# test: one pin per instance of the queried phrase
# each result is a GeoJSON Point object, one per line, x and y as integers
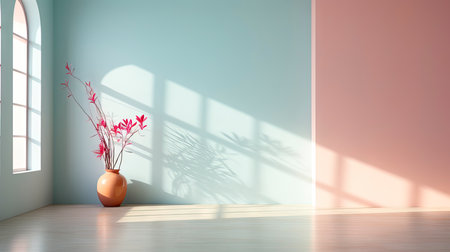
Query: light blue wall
{"type": "Point", "coordinates": [227, 85]}
{"type": "Point", "coordinates": [23, 192]}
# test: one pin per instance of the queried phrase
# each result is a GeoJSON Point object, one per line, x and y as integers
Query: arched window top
{"type": "Point", "coordinates": [20, 20]}
{"type": "Point", "coordinates": [32, 19]}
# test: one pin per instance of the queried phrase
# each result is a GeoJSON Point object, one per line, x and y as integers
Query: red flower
{"type": "Point", "coordinates": [141, 121]}
{"type": "Point", "coordinates": [127, 125]}
{"type": "Point", "coordinates": [92, 97]}
{"type": "Point", "coordinates": [116, 129]}
{"type": "Point", "coordinates": [123, 125]}
{"type": "Point", "coordinates": [131, 126]}
{"type": "Point", "coordinates": [69, 71]}
{"type": "Point", "coordinates": [88, 83]}
{"type": "Point", "coordinates": [66, 84]}
{"type": "Point", "coordinates": [100, 151]}
{"type": "Point", "coordinates": [102, 123]}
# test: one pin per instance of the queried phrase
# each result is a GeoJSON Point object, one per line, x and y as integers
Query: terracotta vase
{"type": "Point", "coordinates": [111, 188]}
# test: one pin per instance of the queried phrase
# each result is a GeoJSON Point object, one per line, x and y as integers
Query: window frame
{"type": "Point", "coordinates": [26, 74]}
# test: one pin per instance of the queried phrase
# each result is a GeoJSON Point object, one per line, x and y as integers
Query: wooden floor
{"type": "Point", "coordinates": [225, 228]}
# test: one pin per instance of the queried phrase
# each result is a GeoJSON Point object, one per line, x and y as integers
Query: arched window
{"type": "Point", "coordinates": [26, 87]}
{"type": "Point", "coordinates": [20, 88]}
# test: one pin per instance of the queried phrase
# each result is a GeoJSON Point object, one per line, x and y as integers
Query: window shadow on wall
{"type": "Point", "coordinates": [198, 150]}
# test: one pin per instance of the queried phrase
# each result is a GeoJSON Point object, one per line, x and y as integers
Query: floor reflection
{"type": "Point", "coordinates": [225, 228]}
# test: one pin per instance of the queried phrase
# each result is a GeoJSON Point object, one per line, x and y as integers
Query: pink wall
{"type": "Point", "coordinates": [382, 103]}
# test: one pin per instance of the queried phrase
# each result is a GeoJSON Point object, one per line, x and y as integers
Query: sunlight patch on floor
{"type": "Point", "coordinates": [208, 212]}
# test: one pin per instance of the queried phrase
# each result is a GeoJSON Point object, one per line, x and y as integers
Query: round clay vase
{"type": "Point", "coordinates": [111, 188]}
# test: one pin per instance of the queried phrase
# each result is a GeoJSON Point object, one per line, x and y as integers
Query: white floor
{"type": "Point", "coordinates": [225, 228]}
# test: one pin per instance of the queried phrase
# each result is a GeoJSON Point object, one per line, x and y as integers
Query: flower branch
{"type": "Point", "coordinates": [108, 133]}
